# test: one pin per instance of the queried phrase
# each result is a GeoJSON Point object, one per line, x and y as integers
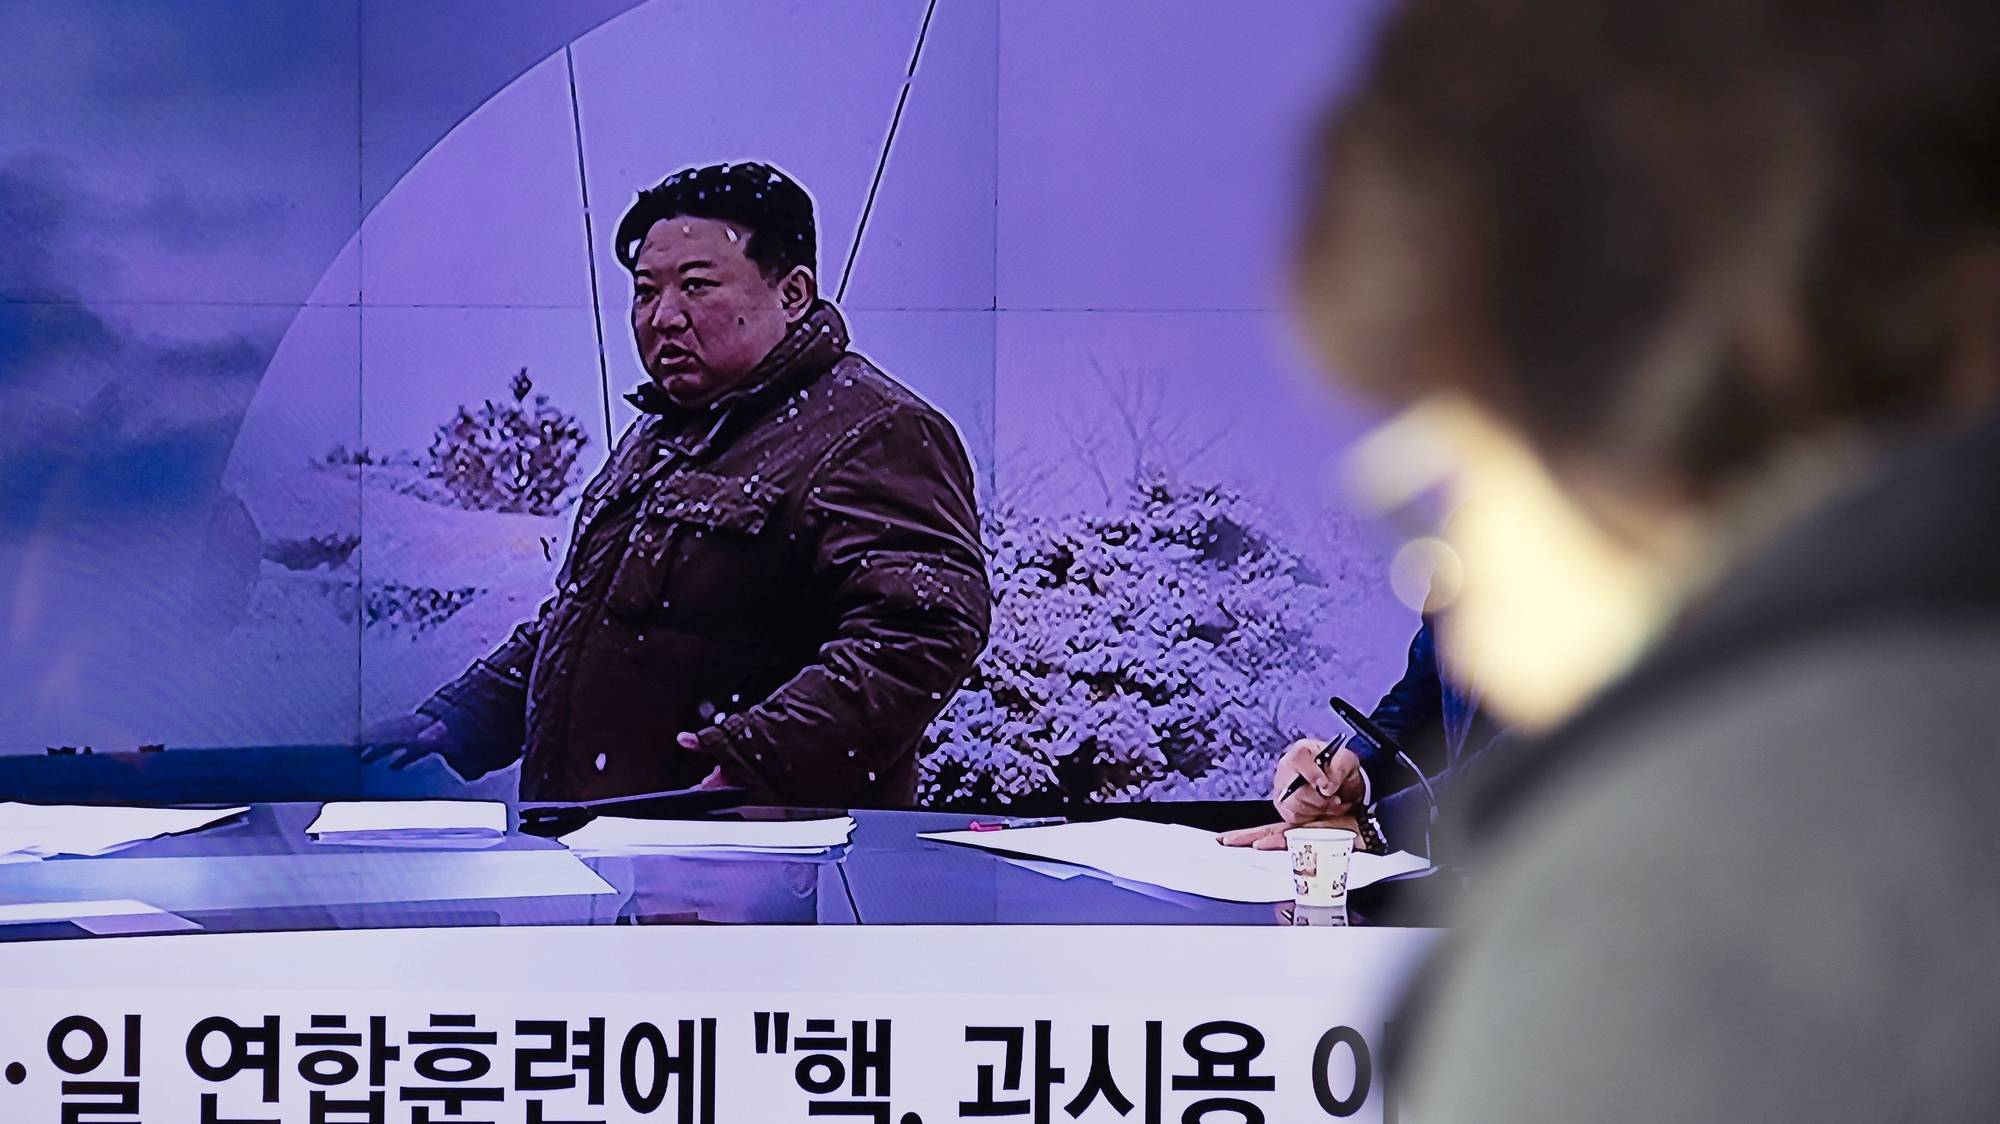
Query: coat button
{"type": "Point", "coordinates": [600, 762]}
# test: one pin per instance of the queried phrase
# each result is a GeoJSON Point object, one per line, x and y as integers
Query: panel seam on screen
{"type": "Point", "coordinates": [589, 245]}
{"type": "Point", "coordinates": [882, 162]}
{"type": "Point", "coordinates": [360, 366]}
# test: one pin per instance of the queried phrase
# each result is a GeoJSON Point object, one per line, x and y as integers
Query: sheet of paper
{"type": "Point", "coordinates": [31, 912]}
{"type": "Point", "coordinates": [1366, 870]}
{"type": "Point", "coordinates": [619, 835]}
{"type": "Point", "coordinates": [113, 917]}
{"type": "Point", "coordinates": [738, 849]}
{"type": "Point", "coordinates": [134, 924]}
{"type": "Point", "coordinates": [322, 877]}
{"type": "Point", "coordinates": [1061, 872]}
{"type": "Point", "coordinates": [413, 841]}
{"type": "Point", "coordinates": [1072, 873]}
{"type": "Point", "coordinates": [42, 830]}
{"type": "Point", "coordinates": [410, 817]}
{"type": "Point", "coordinates": [1185, 859]}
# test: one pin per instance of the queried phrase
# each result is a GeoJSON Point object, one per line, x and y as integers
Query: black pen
{"type": "Point", "coordinates": [1004, 825]}
{"type": "Point", "coordinates": [1323, 758]}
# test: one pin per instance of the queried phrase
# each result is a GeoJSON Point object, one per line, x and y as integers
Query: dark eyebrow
{"type": "Point", "coordinates": [698, 263]}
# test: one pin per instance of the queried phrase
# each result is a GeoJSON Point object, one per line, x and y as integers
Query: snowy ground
{"type": "Point", "coordinates": [308, 663]}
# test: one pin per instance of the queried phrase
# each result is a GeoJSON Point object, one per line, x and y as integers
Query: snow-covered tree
{"type": "Point", "coordinates": [517, 456]}
{"type": "Point", "coordinates": [1132, 648]}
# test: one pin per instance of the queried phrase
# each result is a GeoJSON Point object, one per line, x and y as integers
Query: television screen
{"type": "Point", "coordinates": [320, 333]}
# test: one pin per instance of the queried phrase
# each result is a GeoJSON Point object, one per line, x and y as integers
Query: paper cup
{"type": "Point", "coordinates": [1319, 864]}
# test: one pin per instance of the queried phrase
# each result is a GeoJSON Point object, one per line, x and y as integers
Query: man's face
{"type": "Point", "coordinates": [702, 314]}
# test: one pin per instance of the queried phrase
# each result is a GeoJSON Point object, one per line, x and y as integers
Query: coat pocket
{"type": "Point", "coordinates": [698, 533]}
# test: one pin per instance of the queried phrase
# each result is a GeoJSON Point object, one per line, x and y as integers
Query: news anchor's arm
{"type": "Point", "coordinates": [1412, 713]}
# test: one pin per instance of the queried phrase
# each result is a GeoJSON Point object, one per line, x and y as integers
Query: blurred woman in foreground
{"type": "Point", "coordinates": [1694, 307]}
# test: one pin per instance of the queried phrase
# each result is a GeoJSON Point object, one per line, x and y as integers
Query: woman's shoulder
{"type": "Point", "coordinates": [1780, 874]}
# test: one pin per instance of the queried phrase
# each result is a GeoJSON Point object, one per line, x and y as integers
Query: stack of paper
{"type": "Point", "coordinates": [1185, 859]}
{"type": "Point", "coordinates": [613, 835]}
{"type": "Point", "coordinates": [33, 831]}
{"type": "Point", "coordinates": [411, 822]}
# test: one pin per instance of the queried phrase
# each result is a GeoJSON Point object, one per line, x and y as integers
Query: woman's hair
{"type": "Point", "coordinates": [1661, 238]}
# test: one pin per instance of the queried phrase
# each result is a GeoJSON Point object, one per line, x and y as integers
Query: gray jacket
{"type": "Point", "coordinates": [1756, 880]}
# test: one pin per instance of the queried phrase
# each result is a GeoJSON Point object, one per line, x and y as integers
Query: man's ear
{"type": "Point", "coordinates": [797, 291]}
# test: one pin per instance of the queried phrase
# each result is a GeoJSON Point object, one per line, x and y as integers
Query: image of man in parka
{"type": "Point", "coordinates": [776, 581]}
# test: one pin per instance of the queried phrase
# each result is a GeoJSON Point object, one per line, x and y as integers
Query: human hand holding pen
{"type": "Point", "coordinates": [1315, 780]}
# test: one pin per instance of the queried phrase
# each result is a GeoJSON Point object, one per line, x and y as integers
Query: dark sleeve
{"type": "Point", "coordinates": [900, 567]}
{"type": "Point", "coordinates": [1413, 714]}
{"type": "Point", "coordinates": [485, 709]}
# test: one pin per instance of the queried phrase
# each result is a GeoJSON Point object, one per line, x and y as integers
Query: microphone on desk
{"type": "Point", "coordinates": [1368, 728]}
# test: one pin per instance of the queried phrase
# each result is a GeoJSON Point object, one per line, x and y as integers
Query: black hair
{"type": "Point", "coordinates": [771, 205]}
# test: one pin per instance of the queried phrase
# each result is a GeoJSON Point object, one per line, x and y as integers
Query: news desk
{"type": "Point", "coordinates": [261, 872]}
{"type": "Point", "coordinates": [978, 965]}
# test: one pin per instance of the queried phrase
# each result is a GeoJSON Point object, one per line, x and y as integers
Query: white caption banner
{"type": "Point", "coordinates": [914, 1025]}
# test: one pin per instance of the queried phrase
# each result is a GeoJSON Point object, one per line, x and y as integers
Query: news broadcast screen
{"type": "Point", "coordinates": [749, 561]}
{"type": "Point", "coordinates": [324, 349]}
{"type": "Point", "coordinates": [686, 560]}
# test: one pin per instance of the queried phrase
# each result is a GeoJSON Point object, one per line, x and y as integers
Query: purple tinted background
{"type": "Point", "coordinates": [243, 237]}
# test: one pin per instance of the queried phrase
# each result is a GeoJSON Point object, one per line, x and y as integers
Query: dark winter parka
{"type": "Point", "coordinates": [792, 573]}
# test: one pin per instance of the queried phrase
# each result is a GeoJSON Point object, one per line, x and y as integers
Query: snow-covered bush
{"type": "Point", "coordinates": [394, 605]}
{"type": "Point", "coordinates": [341, 457]}
{"type": "Point", "coordinates": [1131, 648]}
{"type": "Point", "coordinates": [517, 456]}
{"type": "Point", "coordinates": [313, 552]}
